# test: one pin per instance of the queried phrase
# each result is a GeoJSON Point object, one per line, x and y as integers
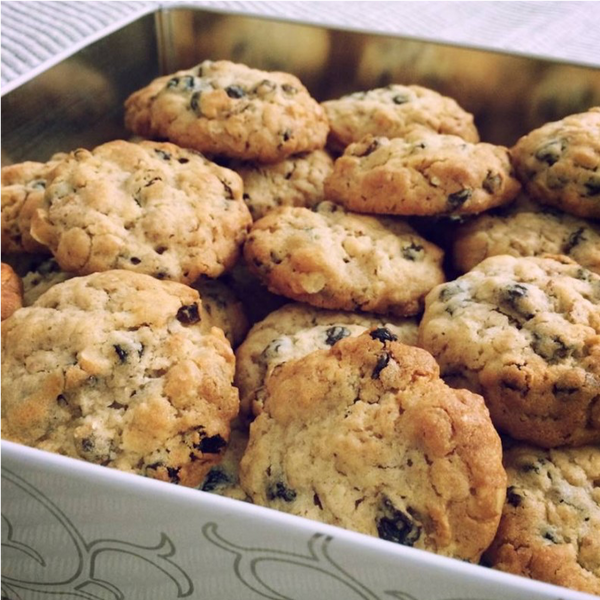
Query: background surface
{"type": "Point", "coordinates": [36, 33]}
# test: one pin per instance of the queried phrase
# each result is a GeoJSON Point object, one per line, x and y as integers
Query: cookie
{"type": "Point", "coordinates": [559, 164]}
{"type": "Point", "coordinates": [394, 111]}
{"type": "Point", "coordinates": [23, 187]}
{"type": "Point", "coordinates": [12, 291]}
{"type": "Point", "coordinates": [150, 207]}
{"type": "Point", "coordinates": [120, 369]}
{"type": "Point", "coordinates": [525, 334]}
{"type": "Point", "coordinates": [422, 174]}
{"type": "Point", "coordinates": [223, 308]}
{"type": "Point", "coordinates": [367, 436]}
{"type": "Point", "coordinates": [331, 258]}
{"type": "Point", "coordinates": [296, 181]}
{"type": "Point", "coordinates": [224, 478]}
{"type": "Point", "coordinates": [228, 109]}
{"type": "Point", "coordinates": [527, 229]}
{"type": "Point", "coordinates": [550, 526]}
{"type": "Point", "coordinates": [219, 302]}
{"type": "Point", "coordinates": [40, 278]}
{"type": "Point", "coordinates": [296, 330]}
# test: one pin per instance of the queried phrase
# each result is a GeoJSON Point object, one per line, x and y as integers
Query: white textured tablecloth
{"type": "Point", "coordinates": [36, 33]}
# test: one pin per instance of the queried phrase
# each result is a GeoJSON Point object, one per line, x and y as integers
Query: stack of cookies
{"type": "Point", "coordinates": [424, 358]}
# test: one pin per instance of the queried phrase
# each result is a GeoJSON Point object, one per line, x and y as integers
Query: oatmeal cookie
{"type": "Point", "coordinates": [367, 436]}
{"type": "Point", "coordinates": [228, 109]}
{"type": "Point", "coordinates": [524, 333]}
{"type": "Point", "coordinates": [120, 369]}
{"type": "Point", "coordinates": [331, 258]}
{"type": "Point", "coordinates": [12, 291]}
{"type": "Point", "coordinates": [152, 208]}
{"type": "Point", "coordinates": [550, 526]}
{"type": "Point", "coordinates": [296, 330]}
{"type": "Point", "coordinates": [394, 111]}
{"type": "Point", "coordinates": [23, 187]}
{"type": "Point", "coordinates": [296, 181]}
{"type": "Point", "coordinates": [422, 174]}
{"type": "Point", "coordinates": [559, 163]}
{"type": "Point", "coordinates": [526, 229]}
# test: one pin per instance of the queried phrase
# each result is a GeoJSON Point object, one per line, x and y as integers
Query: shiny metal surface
{"type": "Point", "coordinates": [79, 101]}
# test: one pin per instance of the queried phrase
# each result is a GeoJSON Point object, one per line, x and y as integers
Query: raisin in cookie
{"type": "Point", "coordinates": [526, 229]}
{"type": "Point", "coordinates": [224, 478]}
{"type": "Point", "coordinates": [152, 208]}
{"type": "Point", "coordinates": [120, 369]}
{"type": "Point", "coordinates": [550, 527]}
{"type": "Point", "coordinates": [559, 163]}
{"type": "Point", "coordinates": [223, 308]}
{"type": "Point", "coordinates": [422, 174]}
{"type": "Point", "coordinates": [12, 291]}
{"type": "Point", "coordinates": [296, 181]}
{"type": "Point", "coordinates": [220, 305]}
{"type": "Point", "coordinates": [230, 110]}
{"type": "Point", "coordinates": [296, 330]}
{"type": "Point", "coordinates": [23, 187]}
{"type": "Point", "coordinates": [330, 258]}
{"type": "Point", "coordinates": [367, 436]}
{"type": "Point", "coordinates": [394, 111]}
{"type": "Point", "coordinates": [525, 334]}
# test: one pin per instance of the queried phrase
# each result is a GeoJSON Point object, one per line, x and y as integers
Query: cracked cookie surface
{"type": "Point", "coordinates": [559, 163]}
{"type": "Point", "coordinates": [228, 109]}
{"type": "Point", "coordinates": [120, 369]}
{"type": "Point", "coordinates": [296, 330]}
{"type": "Point", "coordinates": [152, 208]}
{"type": "Point", "coordinates": [525, 334]}
{"type": "Point", "coordinates": [394, 111]}
{"type": "Point", "coordinates": [367, 436]}
{"type": "Point", "coordinates": [550, 526]}
{"type": "Point", "coordinates": [296, 181]}
{"type": "Point", "coordinates": [330, 258]}
{"type": "Point", "coordinates": [527, 229]}
{"type": "Point", "coordinates": [422, 174]}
